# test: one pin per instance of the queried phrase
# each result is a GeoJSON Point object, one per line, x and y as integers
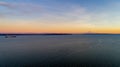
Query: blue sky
{"type": "Point", "coordinates": [66, 16]}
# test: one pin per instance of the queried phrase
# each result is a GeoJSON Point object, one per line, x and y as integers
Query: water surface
{"type": "Point", "coordinates": [60, 50]}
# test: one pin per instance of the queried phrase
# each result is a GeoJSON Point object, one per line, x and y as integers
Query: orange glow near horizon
{"type": "Point", "coordinates": [58, 30]}
{"type": "Point", "coordinates": [26, 27]}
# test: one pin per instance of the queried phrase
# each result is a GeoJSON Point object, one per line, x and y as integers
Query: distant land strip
{"type": "Point", "coordinates": [35, 34]}
{"type": "Point", "coordinates": [4, 34]}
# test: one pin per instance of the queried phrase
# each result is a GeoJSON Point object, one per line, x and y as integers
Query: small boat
{"type": "Point", "coordinates": [10, 36]}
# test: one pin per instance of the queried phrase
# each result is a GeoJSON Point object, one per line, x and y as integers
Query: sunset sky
{"type": "Point", "coordinates": [59, 16]}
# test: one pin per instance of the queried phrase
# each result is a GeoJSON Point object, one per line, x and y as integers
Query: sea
{"type": "Point", "coordinates": [60, 51]}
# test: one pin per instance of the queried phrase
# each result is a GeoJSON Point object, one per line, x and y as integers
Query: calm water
{"type": "Point", "coordinates": [59, 51]}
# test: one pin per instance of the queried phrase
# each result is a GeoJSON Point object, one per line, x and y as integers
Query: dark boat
{"type": "Point", "coordinates": [10, 36]}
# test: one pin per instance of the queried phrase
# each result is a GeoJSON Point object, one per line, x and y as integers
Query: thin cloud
{"type": "Point", "coordinates": [5, 4]}
{"type": "Point", "coordinates": [24, 8]}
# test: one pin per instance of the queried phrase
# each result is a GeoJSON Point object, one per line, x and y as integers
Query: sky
{"type": "Point", "coordinates": [59, 16]}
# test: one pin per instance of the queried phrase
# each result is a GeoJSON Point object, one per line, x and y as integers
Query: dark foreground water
{"type": "Point", "coordinates": [60, 51]}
